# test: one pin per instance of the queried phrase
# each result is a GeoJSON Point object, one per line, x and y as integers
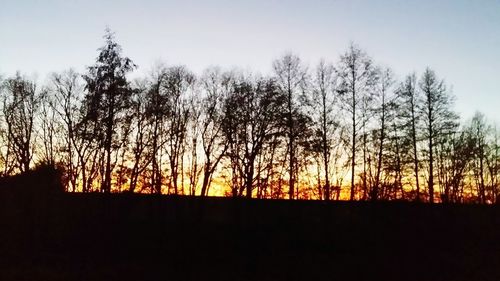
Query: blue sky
{"type": "Point", "coordinates": [459, 39]}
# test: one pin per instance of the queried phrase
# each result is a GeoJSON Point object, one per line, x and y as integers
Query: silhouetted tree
{"type": "Point", "coordinates": [291, 77]}
{"type": "Point", "coordinates": [356, 74]}
{"type": "Point", "coordinates": [67, 91]}
{"type": "Point", "coordinates": [479, 131]}
{"type": "Point", "coordinates": [141, 133]}
{"type": "Point", "coordinates": [438, 119]}
{"type": "Point", "coordinates": [324, 99]}
{"type": "Point", "coordinates": [394, 160]}
{"type": "Point", "coordinates": [108, 95]}
{"type": "Point", "coordinates": [156, 111]}
{"type": "Point", "coordinates": [493, 163]}
{"type": "Point", "coordinates": [216, 86]}
{"type": "Point", "coordinates": [20, 104]}
{"type": "Point", "coordinates": [384, 111]}
{"type": "Point", "coordinates": [49, 128]}
{"type": "Point", "coordinates": [454, 154]}
{"type": "Point", "coordinates": [194, 130]}
{"type": "Point", "coordinates": [178, 82]}
{"type": "Point", "coordinates": [251, 118]}
{"type": "Point", "coordinates": [410, 116]}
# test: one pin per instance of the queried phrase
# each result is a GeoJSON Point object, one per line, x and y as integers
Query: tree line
{"type": "Point", "coordinates": [346, 129]}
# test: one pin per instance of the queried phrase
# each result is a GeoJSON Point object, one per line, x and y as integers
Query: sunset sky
{"type": "Point", "coordinates": [459, 39]}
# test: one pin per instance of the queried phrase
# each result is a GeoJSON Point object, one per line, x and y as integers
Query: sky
{"type": "Point", "coordinates": [459, 39]}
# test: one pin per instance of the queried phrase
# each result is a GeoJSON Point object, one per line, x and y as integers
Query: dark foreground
{"type": "Point", "coordinates": [133, 237]}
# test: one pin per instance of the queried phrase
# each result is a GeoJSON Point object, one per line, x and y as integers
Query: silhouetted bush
{"type": "Point", "coordinates": [44, 179]}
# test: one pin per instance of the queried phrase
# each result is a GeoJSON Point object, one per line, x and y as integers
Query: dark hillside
{"type": "Point", "coordinates": [139, 237]}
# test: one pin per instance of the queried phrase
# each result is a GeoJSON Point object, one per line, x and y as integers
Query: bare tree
{"type": "Point", "coordinates": [438, 118]}
{"type": "Point", "coordinates": [291, 76]}
{"type": "Point", "coordinates": [455, 152]}
{"type": "Point", "coordinates": [251, 118]}
{"type": "Point", "coordinates": [384, 113]}
{"type": "Point", "coordinates": [493, 163]}
{"type": "Point", "coordinates": [194, 128]}
{"type": "Point", "coordinates": [141, 133]}
{"type": "Point", "coordinates": [479, 131]}
{"type": "Point", "coordinates": [394, 161]}
{"type": "Point", "coordinates": [87, 143]}
{"type": "Point", "coordinates": [7, 159]}
{"type": "Point", "coordinates": [409, 114]}
{"type": "Point", "coordinates": [216, 86]}
{"type": "Point", "coordinates": [49, 127]}
{"type": "Point", "coordinates": [324, 101]}
{"type": "Point", "coordinates": [20, 103]}
{"type": "Point", "coordinates": [67, 91]}
{"type": "Point", "coordinates": [177, 83]}
{"type": "Point", "coordinates": [156, 112]}
{"type": "Point", "coordinates": [356, 74]}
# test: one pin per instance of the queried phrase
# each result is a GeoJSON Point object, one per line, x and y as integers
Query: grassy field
{"type": "Point", "coordinates": [139, 237]}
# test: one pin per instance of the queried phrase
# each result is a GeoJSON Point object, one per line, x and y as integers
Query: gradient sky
{"type": "Point", "coordinates": [459, 39]}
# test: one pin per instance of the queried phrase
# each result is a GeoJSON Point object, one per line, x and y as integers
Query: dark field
{"type": "Point", "coordinates": [138, 237]}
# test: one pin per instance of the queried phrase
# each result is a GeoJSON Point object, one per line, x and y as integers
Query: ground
{"type": "Point", "coordinates": [140, 237]}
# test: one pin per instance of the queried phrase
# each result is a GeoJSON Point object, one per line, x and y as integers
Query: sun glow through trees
{"type": "Point", "coordinates": [337, 131]}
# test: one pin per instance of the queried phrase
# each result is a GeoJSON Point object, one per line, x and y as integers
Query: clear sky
{"type": "Point", "coordinates": [457, 38]}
